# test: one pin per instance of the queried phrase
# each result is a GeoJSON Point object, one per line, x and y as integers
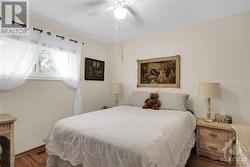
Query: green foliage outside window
{"type": "Point", "coordinates": [46, 66]}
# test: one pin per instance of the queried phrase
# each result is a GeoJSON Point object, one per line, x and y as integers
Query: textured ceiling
{"type": "Point", "coordinates": [157, 15]}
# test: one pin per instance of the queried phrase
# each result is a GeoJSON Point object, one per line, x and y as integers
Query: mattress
{"type": "Point", "coordinates": [55, 161]}
{"type": "Point", "coordinates": [123, 136]}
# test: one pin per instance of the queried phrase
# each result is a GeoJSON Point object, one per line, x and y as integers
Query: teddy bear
{"type": "Point", "coordinates": [152, 102]}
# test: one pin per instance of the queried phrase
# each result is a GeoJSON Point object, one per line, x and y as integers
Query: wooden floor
{"type": "Point", "coordinates": [198, 161]}
{"type": "Point", "coordinates": [38, 158]}
{"type": "Point", "coordinates": [33, 158]}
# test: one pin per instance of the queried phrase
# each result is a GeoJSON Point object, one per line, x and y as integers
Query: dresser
{"type": "Point", "coordinates": [7, 149]}
{"type": "Point", "coordinates": [215, 140]}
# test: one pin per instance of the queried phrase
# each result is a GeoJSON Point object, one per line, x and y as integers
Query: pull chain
{"type": "Point", "coordinates": [118, 29]}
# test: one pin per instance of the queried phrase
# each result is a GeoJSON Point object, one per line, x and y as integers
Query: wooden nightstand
{"type": "Point", "coordinates": [7, 149]}
{"type": "Point", "coordinates": [212, 140]}
{"type": "Point", "coordinates": [105, 107]}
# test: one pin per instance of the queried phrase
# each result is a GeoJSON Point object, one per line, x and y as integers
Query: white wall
{"type": "Point", "coordinates": [215, 51]}
{"type": "Point", "coordinates": [1, 104]}
{"type": "Point", "coordinates": [38, 104]}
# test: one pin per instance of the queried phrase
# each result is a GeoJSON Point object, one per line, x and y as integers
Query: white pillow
{"type": "Point", "coordinates": [137, 98]}
{"type": "Point", "coordinates": [173, 101]}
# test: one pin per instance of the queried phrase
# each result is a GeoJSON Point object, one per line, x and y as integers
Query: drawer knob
{"type": "Point", "coordinates": [213, 148]}
{"type": "Point", "coordinates": [213, 135]}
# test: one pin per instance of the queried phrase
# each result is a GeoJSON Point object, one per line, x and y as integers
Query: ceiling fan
{"type": "Point", "coordinates": [120, 8]}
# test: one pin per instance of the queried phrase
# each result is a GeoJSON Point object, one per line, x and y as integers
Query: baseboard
{"type": "Point", "coordinates": [42, 148]}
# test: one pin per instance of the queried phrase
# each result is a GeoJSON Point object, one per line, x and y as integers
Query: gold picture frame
{"type": "Point", "coordinates": [163, 72]}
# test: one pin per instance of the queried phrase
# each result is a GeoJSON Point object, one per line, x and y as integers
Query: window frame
{"type": "Point", "coordinates": [45, 78]}
{"type": "Point", "coordinates": [38, 76]}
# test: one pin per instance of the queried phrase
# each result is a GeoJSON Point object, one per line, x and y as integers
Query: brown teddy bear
{"type": "Point", "coordinates": [152, 102]}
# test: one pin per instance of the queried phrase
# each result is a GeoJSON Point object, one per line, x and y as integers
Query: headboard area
{"type": "Point", "coordinates": [169, 101]}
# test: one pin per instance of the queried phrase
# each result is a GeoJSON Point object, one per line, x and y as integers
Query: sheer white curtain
{"type": "Point", "coordinates": [66, 56]}
{"type": "Point", "coordinates": [18, 55]}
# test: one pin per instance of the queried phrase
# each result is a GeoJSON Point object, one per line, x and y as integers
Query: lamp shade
{"type": "Point", "coordinates": [116, 88]}
{"type": "Point", "coordinates": [209, 90]}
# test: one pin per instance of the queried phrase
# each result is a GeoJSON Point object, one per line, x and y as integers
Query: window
{"type": "Point", "coordinates": [44, 69]}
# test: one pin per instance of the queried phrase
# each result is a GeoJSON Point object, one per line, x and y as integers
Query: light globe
{"type": "Point", "coordinates": [120, 13]}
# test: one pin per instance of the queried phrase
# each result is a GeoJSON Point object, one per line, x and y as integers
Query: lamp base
{"type": "Point", "coordinates": [116, 100]}
{"type": "Point", "coordinates": [209, 113]}
{"type": "Point", "coordinates": [208, 120]}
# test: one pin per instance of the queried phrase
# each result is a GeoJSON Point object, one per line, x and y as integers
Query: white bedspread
{"type": "Point", "coordinates": [123, 136]}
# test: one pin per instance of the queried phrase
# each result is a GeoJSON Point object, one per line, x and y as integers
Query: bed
{"type": "Point", "coordinates": [123, 136]}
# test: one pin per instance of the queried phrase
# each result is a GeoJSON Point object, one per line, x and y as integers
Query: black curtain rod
{"type": "Point", "coordinates": [37, 29]}
{"type": "Point", "coordinates": [59, 36]}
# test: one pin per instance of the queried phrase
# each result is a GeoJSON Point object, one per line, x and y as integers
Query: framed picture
{"type": "Point", "coordinates": [94, 69]}
{"type": "Point", "coordinates": [161, 72]}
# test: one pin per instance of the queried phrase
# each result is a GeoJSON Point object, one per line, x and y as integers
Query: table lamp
{"type": "Point", "coordinates": [116, 90]}
{"type": "Point", "coordinates": [209, 90]}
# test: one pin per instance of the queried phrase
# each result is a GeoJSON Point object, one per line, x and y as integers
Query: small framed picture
{"type": "Point", "coordinates": [94, 69]}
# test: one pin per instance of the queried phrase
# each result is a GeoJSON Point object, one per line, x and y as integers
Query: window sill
{"type": "Point", "coordinates": [44, 78]}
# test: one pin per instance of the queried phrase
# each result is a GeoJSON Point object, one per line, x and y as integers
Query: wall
{"type": "Point", "coordinates": [38, 104]}
{"type": "Point", "coordinates": [215, 51]}
{"type": "Point", "coordinates": [1, 105]}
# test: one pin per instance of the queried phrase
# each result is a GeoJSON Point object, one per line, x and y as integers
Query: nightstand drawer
{"type": "Point", "coordinates": [5, 127]}
{"type": "Point", "coordinates": [211, 146]}
{"type": "Point", "coordinates": [213, 133]}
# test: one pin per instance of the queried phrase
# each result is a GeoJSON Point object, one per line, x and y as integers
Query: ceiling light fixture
{"type": "Point", "coordinates": [120, 13]}
{"type": "Point", "coordinates": [121, 3]}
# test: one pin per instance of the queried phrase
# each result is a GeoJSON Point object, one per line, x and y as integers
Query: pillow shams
{"type": "Point", "coordinates": [173, 101]}
{"type": "Point", "coordinates": [137, 98]}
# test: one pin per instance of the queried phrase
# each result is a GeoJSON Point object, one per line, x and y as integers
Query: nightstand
{"type": "Point", "coordinates": [105, 107]}
{"type": "Point", "coordinates": [7, 151]}
{"type": "Point", "coordinates": [214, 140]}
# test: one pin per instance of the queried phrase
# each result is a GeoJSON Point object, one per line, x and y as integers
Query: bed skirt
{"type": "Point", "coordinates": [55, 161]}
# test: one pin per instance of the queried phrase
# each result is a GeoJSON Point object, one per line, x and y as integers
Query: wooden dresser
{"type": "Point", "coordinates": [7, 149]}
{"type": "Point", "coordinates": [214, 140]}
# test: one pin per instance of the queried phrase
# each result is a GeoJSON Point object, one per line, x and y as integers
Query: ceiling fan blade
{"type": "Point", "coordinates": [95, 3]}
{"type": "Point", "coordinates": [99, 12]}
{"type": "Point", "coordinates": [139, 1]}
{"type": "Point", "coordinates": [139, 20]}
{"type": "Point", "coordinates": [78, 7]}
